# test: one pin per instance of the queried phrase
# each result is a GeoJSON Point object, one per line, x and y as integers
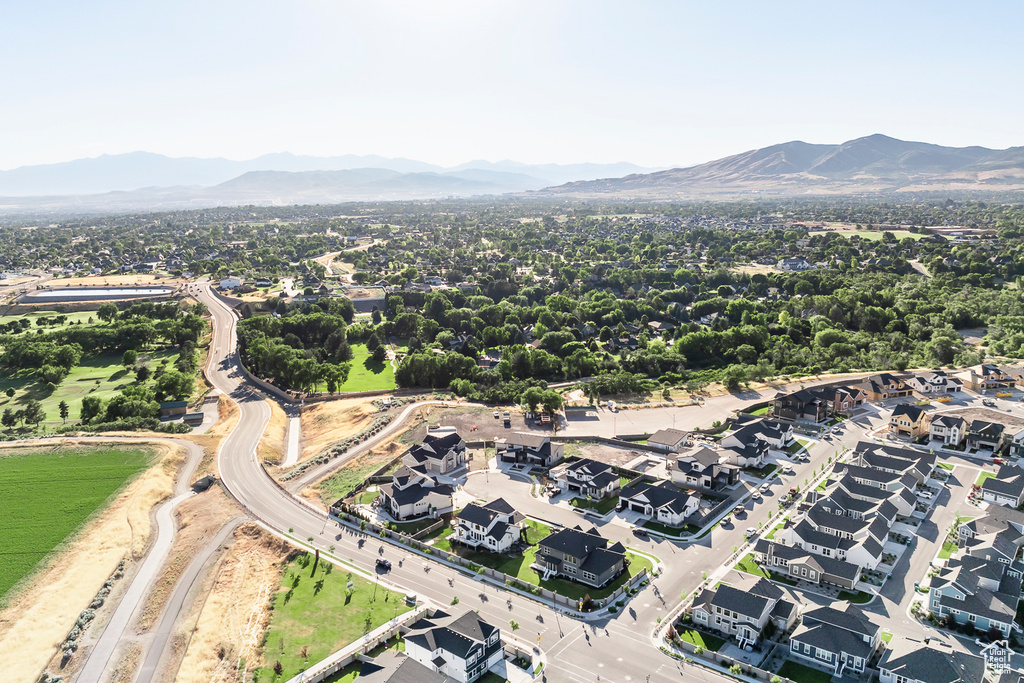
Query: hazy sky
{"type": "Point", "coordinates": [655, 83]}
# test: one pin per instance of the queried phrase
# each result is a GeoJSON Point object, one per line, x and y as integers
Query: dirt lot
{"type": "Point", "coordinates": [126, 279]}
{"type": "Point", "coordinates": [46, 609]}
{"type": "Point", "coordinates": [229, 625]}
{"type": "Point", "coordinates": [478, 424]}
{"type": "Point", "coordinates": [330, 421]}
{"type": "Point", "coordinates": [612, 455]}
{"type": "Point", "coordinates": [273, 444]}
{"type": "Point", "coordinates": [988, 414]}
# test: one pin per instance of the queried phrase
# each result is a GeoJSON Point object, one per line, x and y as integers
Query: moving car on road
{"type": "Point", "coordinates": [384, 564]}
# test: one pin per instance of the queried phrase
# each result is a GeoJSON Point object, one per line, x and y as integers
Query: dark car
{"type": "Point", "coordinates": [640, 533]}
{"type": "Point", "coordinates": [384, 564]}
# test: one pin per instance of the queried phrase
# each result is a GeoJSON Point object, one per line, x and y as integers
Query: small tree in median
{"type": "Point", "coordinates": [65, 410]}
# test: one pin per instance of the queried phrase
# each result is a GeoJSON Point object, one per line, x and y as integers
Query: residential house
{"type": "Point", "coordinates": [983, 593]}
{"type": "Point", "coordinates": [843, 640]}
{"type": "Point", "coordinates": [885, 386]}
{"type": "Point", "coordinates": [951, 430]}
{"type": "Point", "coordinates": [909, 420]}
{"type": "Point", "coordinates": [588, 478]}
{"type": "Point", "coordinates": [529, 448]}
{"type": "Point", "coordinates": [669, 440]}
{"type": "Point", "coordinates": [700, 466]}
{"type": "Point", "coordinates": [743, 609]}
{"type": "Point", "coordinates": [846, 399]}
{"type": "Point", "coordinates": [462, 648]}
{"type": "Point", "coordinates": [661, 502]}
{"type": "Point", "coordinates": [1006, 488]}
{"type": "Point", "coordinates": [263, 282]}
{"type": "Point", "coordinates": [793, 264]}
{"type": "Point", "coordinates": [441, 452]}
{"type": "Point", "coordinates": [986, 377]}
{"type": "Point", "coordinates": [805, 405]}
{"type": "Point", "coordinates": [905, 660]}
{"type": "Point", "coordinates": [935, 383]}
{"type": "Point", "coordinates": [231, 282]}
{"type": "Point", "coordinates": [1017, 444]}
{"type": "Point", "coordinates": [998, 535]}
{"type": "Point", "coordinates": [582, 556]}
{"type": "Point", "coordinates": [799, 564]}
{"type": "Point", "coordinates": [495, 526]}
{"type": "Point", "coordinates": [413, 493]}
{"type": "Point", "coordinates": [397, 667]}
{"type": "Point", "coordinates": [985, 435]}
{"type": "Point", "coordinates": [172, 409]}
{"type": "Point", "coordinates": [778, 435]}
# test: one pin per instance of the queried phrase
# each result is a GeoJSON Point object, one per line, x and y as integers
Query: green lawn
{"type": "Point", "coordinates": [46, 496]}
{"type": "Point", "coordinates": [673, 531]}
{"type": "Point", "coordinates": [367, 497]}
{"type": "Point", "coordinates": [440, 538]}
{"type": "Point", "coordinates": [771, 534]}
{"type": "Point", "coordinates": [313, 612]}
{"type": "Point", "coordinates": [947, 466]}
{"type": "Point", "coordinates": [345, 479]}
{"type": "Point", "coordinates": [822, 485]}
{"type": "Point", "coordinates": [763, 472]}
{"type": "Point", "coordinates": [947, 550]}
{"type": "Point", "coordinates": [797, 446]}
{"type": "Point", "coordinates": [984, 476]}
{"type": "Point", "coordinates": [602, 506]}
{"type": "Point", "coordinates": [366, 375]}
{"type": "Point", "coordinates": [416, 525]}
{"type": "Point", "coordinates": [700, 639]}
{"type": "Point", "coordinates": [748, 565]}
{"type": "Point", "coordinates": [858, 598]}
{"type": "Point", "coordinates": [803, 674]}
{"type": "Point", "coordinates": [102, 376]}
{"type": "Point", "coordinates": [886, 636]}
{"type": "Point", "coordinates": [761, 411]}
{"type": "Point", "coordinates": [76, 317]}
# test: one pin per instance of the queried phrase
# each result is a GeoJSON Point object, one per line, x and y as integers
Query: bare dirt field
{"type": "Point", "coordinates": [476, 424]}
{"type": "Point", "coordinates": [45, 610]}
{"type": "Point", "coordinates": [612, 455]}
{"type": "Point", "coordinates": [329, 421]}
{"type": "Point", "coordinates": [229, 625]}
{"type": "Point", "coordinates": [125, 279]}
{"type": "Point", "coordinates": [988, 415]}
{"type": "Point", "coordinates": [273, 444]}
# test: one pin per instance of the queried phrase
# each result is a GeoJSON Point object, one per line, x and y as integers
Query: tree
{"type": "Point", "coordinates": [174, 385]}
{"type": "Point", "coordinates": [65, 410]}
{"type": "Point", "coordinates": [8, 419]}
{"type": "Point", "coordinates": [130, 358]}
{"type": "Point", "coordinates": [52, 374]}
{"type": "Point", "coordinates": [91, 407]}
{"type": "Point", "coordinates": [10, 392]}
{"type": "Point", "coordinates": [33, 412]}
{"type": "Point", "coordinates": [551, 400]}
{"type": "Point", "coordinates": [107, 312]}
{"type": "Point", "coordinates": [380, 354]}
{"type": "Point", "coordinates": [142, 373]}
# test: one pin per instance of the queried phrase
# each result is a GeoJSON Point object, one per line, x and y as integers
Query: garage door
{"type": "Point", "coordinates": [637, 507]}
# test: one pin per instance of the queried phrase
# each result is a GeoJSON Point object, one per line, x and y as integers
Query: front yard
{"type": "Point", "coordinates": [803, 674]}
{"type": "Point", "coordinates": [948, 549]}
{"type": "Point", "coordinates": [797, 446]}
{"type": "Point", "coordinates": [748, 565]}
{"type": "Point", "coordinates": [673, 531]}
{"type": "Point", "coordinates": [984, 476]}
{"type": "Point", "coordinates": [700, 639]}
{"type": "Point", "coordinates": [601, 506]}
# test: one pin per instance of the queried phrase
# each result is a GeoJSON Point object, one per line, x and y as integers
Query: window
{"type": "Point", "coordinates": [971, 617]}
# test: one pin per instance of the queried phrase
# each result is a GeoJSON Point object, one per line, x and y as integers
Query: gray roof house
{"type": "Point", "coordinates": [668, 440]}
{"type": "Point", "coordinates": [439, 453]}
{"type": "Point", "coordinates": [587, 478]}
{"type": "Point", "coordinates": [495, 526]}
{"type": "Point", "coordinates": [743, 608]}
{"type": "Point", "coordinates": [582, 556]}
{"type": "Point", "coordinates": [981, 592]}
{"type": "Point", "coordinates": [463, 648]}
{"type": "Point", "coordinates": [983, 434]}
{"type": "Point", "coordinates": [844, 640]}
{"type": "Point", "coordinates": [1006, 488]}
{"type": "Point", "coordinates": [413, 493]}
{"type": "Point", "coordinates": [529, 448]}
{"type": "Point", "coordinates": [397, 667]}
{"type": "Point", "coordinates": [662, 502]}
{"type": "Point", "coordinates": [804, 566]}
{"type": "Point", "coordinates": [905, 660]}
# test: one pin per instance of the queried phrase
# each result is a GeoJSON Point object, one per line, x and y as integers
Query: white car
{"type": "Point", "coordinates": [755, 495]}
{"type": "Point", "coordinates": [766, 488]}
{"type": "Point", "coordinates": [751, 531]}
{"type": "Point", "coordinates": [788, 469]}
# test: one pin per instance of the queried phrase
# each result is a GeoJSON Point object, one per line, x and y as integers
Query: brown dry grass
{"type": "Point", "coordinates": [124, 672]}
{"type": "Point", "coordinates": [274, 442]}
{"type": "Point", "coordinates": [320, 492]}
{"type": "Point", "coordinates": [199, 518]}
{"type": "Point", "coordinates": [330, 421]}
{"type": "Point", "coordinates": [126, 279]}
{"type": "Point", "coordinates": [228, 417]}
{"type": "Point", "coordinates": [229, 626]}
{"type": "Point", "coordinates": [44, 611]}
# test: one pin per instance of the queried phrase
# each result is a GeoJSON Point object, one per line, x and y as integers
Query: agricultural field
{"type": "Point", "coordinates": [102, 376]}
{"type": "Point", "coordinates": [315, 615]}
{"type": "Point", "coordinates": [46, 495]}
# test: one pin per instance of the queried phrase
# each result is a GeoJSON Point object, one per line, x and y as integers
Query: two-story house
{"type": "Point", "coordinates": [909, 420]}
{"type": "Point", "coordinates": [462, 648]}
{"type": "Point", "coordinates": [801, 565]}
{"type": "Point", "coordinates": [661, 502]}
{"type": "Point", "coordinates": [743, 609]}
{"type": "Point", "coordinates": [906, 660]}
{"type": "Point", "coordinates": [935, 383]}
{"type": "Point", "coordinates": [529, 448]}
{"type": "Point", "coordinates": [986, 377]}
{"type": "Point", "coordinates": [495, 526]}
{"type": "Point", "coordinates": [803, 405]}
{"type": "Point", "coordinates": [843, 640]}
{"type": "Point", "coordinates": [701, 467]}
{"type": "Point", "coordinates": [985, 435]}
{"type": "Point", "coordinates": [578, 555]}
{"type": "Point", "coordinates": [440, 452]}
{"type": "Point", "coordinates": [998, 535]}
{"type": "Point", "coordinates": [413, 493]}
{"type": "Point", "coordinates": [885, 386]}
{"type": "Point", "coordinates": [587, 478]}
{"type": "Point", "coordinates": [983, 593]}
{"type": "Point", "coordinates": [949, 430]}
{"type": "Point", "coordinates": [1006, 488]}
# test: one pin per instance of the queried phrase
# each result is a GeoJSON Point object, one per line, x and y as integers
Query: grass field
{"type": "Point", "coordinates": [947, 466]}
{"type": "Point", "coordinates": [748, 565]}
{"type": "Point", "coordinates": [45, 496]}
{"type": "Point", "coordinates": [771, 534]}
{"type": "Point", "coordinates": [314, 612]}
{"type": "Point", "coordinates": [948, 549]}
{"type": "Point", "coordinates": [803, 674]}
{"type": "Point", "coordinates": [76, 317]}
{"type": "Point", "coordinates": [366, 375]}
{"type": "Point", "coordinates": [872, 234]}
{"type": "Point", "coordinates": [983, 476]}
{"type": "Point", "coordinates": [102, 376]}
{"type": "Point", "coordinates": [601, 506]}
{"type": "Point", "coordinates": [700, 639]}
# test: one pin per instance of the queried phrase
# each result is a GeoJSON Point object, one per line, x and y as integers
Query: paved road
{"type": "Point", "coordinates": [99, 657]}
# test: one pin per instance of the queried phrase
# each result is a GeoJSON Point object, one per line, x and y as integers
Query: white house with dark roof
{"type": "Point", "coordinates": [702, 467]}
{"type": "Point", "coordinates": [998, 535]}
{"type": "Point", "coordinates": [462, 648]}
{"type": "Point", "coordinates": [1006, 488]}
{"type": "Point", "coordinates": [582, 556]}
{"type": "Point", "coordinates": [802, 565]}
{"type": "Point", "coordinates": [397, 667]}
{"type": "Point", "coordinates": [413, 493]}
{"type": "Point", "coordinates": [934, 383]}
{"type": "Point", "coordinates": [529, 448]}
{"type": "Point", "coordinates": [985, 435]}
{"type": "Point", "coordinates": [495, 526]}
{"type": "Point", "coordinates": [441, 452]}
{"type": "Point", "coordinates": [742, 610]}
{"type": "Point", "coordinates": [843, 640]}
{"type": "Point", "coordinates": [661, 502]}
{"type": "Point", "coordinates": [587, 478]}
{"type": "Point", "coordinates": [949, 430]}
{"type": "Point", "coordinates": [905, 660]}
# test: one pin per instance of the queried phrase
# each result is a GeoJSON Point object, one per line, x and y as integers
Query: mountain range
{"type": "Point", "coordinates": [145, 181]}
{"type": "Point", "coordinates": [876, 163]}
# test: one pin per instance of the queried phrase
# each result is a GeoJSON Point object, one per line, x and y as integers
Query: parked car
{"type": "Point", "coordinates": [755, 495]}
{"type": "Point", "coordinates": [788, 469]}
{"type": "Point", "coordinates": [766, 487]}
{"type": "Point", "coordinates": [988, 402]}
{"type": "Point", "coordinates": [384, 564]}
{"type": "Point", "coordinates": [751, 531]}
{"type": "Point", "coordinates": [639, 532]}
{"type": "Point", "coordinates": [410, 599]}
{"type": "Point", "coordinates": [739, 509]}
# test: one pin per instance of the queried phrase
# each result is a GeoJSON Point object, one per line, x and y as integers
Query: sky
{"type": "Point", "coordinates": [655, 83]}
